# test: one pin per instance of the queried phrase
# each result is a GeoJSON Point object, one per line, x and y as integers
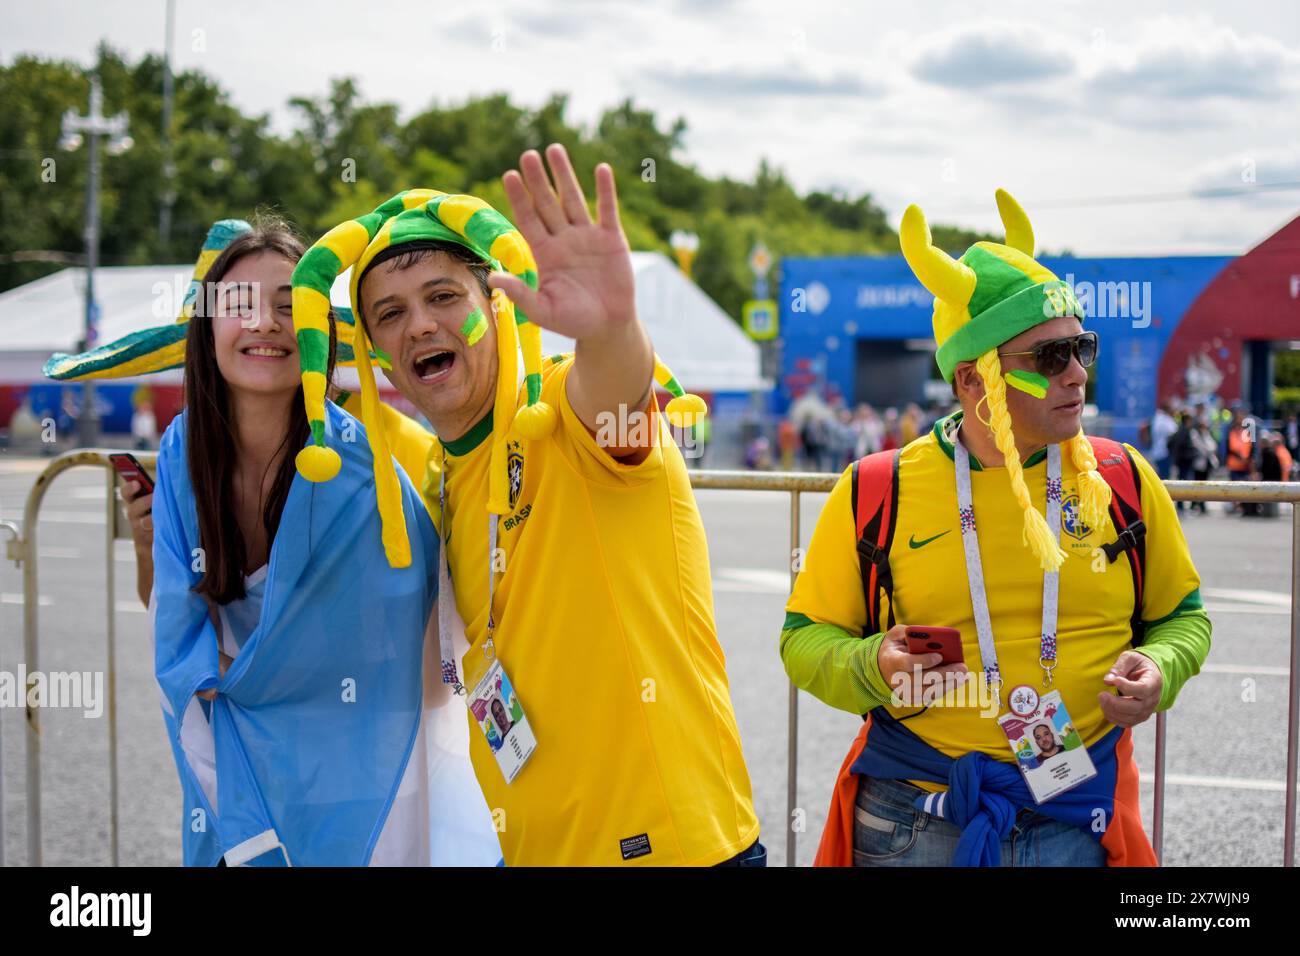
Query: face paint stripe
{"type": "Point", "coordinates": [474, 327]}
{"type": "Point", "coordinates": [1031, 383]}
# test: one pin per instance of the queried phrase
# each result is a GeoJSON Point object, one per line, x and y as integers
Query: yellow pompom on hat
{"type": "Point", "coordinates": [422, 216]}
{"type": "Point", "coordinates": [993, 293]}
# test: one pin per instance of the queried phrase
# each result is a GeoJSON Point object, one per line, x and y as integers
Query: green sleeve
{"type": "Point", "coordinates": [835, 666]}
{"type": "Point", "coordinates": [1179, 644]}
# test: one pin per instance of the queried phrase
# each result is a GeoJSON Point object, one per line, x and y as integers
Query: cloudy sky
{"type": "Point", "coordinates": [1098, 115]}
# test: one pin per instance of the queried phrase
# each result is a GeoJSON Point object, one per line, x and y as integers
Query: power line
{"type": "Point", "coordinates": [1217, 192]}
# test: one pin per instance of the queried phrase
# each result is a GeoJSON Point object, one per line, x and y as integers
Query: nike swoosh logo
{"type": "Point", "coordinates": [913, 543]}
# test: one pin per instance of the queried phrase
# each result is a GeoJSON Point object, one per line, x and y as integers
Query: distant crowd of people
{"type": "Point", "coordinates": [1186, 442]}
{"type": "Point", "coordinates": [821, 435]}
{"type": "Point", "coordinates": [1193, 443]}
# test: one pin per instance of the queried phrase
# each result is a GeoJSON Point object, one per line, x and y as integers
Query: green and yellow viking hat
{"type": "Point", "coordinates": [425, 215]}
{"type": "Point", "coordinates": [992, 294]}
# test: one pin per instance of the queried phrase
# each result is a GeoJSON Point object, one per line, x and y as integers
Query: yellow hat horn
{"type": "Point", "coordinates": [947, 279]}
{"type": "Point", "coordinates": [1020, 234]}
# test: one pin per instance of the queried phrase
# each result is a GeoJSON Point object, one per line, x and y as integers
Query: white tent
{"type": "Point", "coordinates": [695, 338]}
{"type": "Point", "coordinates": [705, 349]}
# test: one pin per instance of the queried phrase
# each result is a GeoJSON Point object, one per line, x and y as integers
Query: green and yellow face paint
{"type": "Point", "coordinates": [1031, 383]}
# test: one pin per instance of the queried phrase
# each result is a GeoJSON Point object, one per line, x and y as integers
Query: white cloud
{"type": "Point", "coordinates": [1196, 59]}
{"type": "Point", "coordinates": [750, 83]}
{"type": "Point", "coordinates": [976, 55]}
{"type": "Point", "coordinates": [1251, 165]}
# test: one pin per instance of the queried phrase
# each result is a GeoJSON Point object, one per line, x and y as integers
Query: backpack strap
{"type": "Point", "coordinates": [1119, 470]}
{"type": "Point", "coordinates": [875, 515]}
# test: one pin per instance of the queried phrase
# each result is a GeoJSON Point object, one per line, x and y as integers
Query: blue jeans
{"type": "Point", "coordinates": [888, 830]}
{"type": "Point", "coordinates": [756, 855]}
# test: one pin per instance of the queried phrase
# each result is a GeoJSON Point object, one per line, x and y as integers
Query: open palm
{"type": "Point", "coordinates": [585, 283]}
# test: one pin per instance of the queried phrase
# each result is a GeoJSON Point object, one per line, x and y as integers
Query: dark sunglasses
{"type": "Point", "coordinates": [1053, 356]}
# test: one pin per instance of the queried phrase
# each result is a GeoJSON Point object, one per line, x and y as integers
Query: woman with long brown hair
{"type": "Point", "coordinates": [293, 661]}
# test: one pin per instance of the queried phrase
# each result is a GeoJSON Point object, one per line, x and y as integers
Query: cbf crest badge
{"type": "Point", "coordinates": [1071, 523]}
{"type": "Point", "coordinates": [515, 472]}
{"type": "Point", "coordinates": [1077, 538]}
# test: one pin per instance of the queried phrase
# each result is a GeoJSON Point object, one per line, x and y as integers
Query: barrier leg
{"type": "Point", "coordinates": [32, 662]}
{"type": "Point", "coordinates": [1158, 807]}
{"type": "Point", "coordinates": [792, 718]}
{"type": "Point", "coordinates": [1293, 695]}
{"type": "Point", "coordinates": [13, 552]}
{"type": "Point", "coordinates": [110, 537]}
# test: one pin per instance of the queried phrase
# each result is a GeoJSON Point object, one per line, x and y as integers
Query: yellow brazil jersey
{"type": "Point", "coordinates": [604, 623]}
{"type": "Point", "coordinates": [930, 584]}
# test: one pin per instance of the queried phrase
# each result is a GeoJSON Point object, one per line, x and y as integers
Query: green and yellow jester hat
{"type": "Point", "coordinates": [991, 294]}
{"type": "Point", "coordinates": [424, 215]}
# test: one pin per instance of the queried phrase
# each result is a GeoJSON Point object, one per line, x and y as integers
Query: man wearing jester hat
{"type": "Point", "coordinates": [579, 567]}
{"type": "Point", "coordinates": [1057, 556]}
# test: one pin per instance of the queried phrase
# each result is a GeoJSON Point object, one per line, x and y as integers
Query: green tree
{"type": "Point", "coordinates": [344, 155]}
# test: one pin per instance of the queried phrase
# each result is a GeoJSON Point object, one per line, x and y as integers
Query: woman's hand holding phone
{"type": "Point", "coordinates": [139, 511]}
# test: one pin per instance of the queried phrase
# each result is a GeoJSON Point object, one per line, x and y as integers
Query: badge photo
{"type": "Point", "coordinates": [501, 717]}
{"type": "Point", "coordinates": [1049, 751]}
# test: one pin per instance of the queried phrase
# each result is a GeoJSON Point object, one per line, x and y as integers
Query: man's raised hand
{"type": "Point", "coordinates": [586, 286]}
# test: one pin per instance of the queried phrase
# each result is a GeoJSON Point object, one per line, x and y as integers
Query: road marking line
{"type": "Point", "coordinates": [1263, 669]}
{"type": "Point", "coordinates": [18, 467]}
{"type": "Point", "coordinates": [1218, 783]}
{"type": "Point", "coordinates": [60, 553]}
{"type": "Point", "coordinates": [1215, 608]}
{"type": "Point", "coordinates": [1275, 598]}
{"type": "Point", "coordinates": [42, 601]}
{"type": "Point", "coordinates": [124, 607]}
{"type": "Point", "coordinates": [71, 517]}
{"type": "Point", "coordinates": [752, 580]}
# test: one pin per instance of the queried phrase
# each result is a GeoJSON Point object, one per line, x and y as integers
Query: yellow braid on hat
{"type": "Point", "coordinates": [1094, 493]}
{"type": "Point", "coordinates": [1037, 535]}
{"type": "Point", "coordinates": [535, 420]}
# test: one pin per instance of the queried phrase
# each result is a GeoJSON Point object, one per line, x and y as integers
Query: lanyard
{"type": "Point", "coordinates": [975, 570]}
{"type": "Point", "coordinates": [447, 596]}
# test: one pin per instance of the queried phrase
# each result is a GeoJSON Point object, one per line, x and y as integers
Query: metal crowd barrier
{"type": "Point", "coordinates": [1228, 491]}
{"type": "Point", "coordinates": [22, 550]}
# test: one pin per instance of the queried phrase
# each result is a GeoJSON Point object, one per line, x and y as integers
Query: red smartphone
{"type": "Point", "coordinates": [131, 470]}
{"type": "Point", "coordinates": [929, 640]}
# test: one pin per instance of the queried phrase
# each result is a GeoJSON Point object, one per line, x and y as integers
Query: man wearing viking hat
{"type": "Point", "coordinates": [1058, 557]}
{"type": "Point", "coordinates": [579, 567]}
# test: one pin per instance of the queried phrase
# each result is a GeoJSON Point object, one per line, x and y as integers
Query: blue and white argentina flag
{"type": "Point", "coordinates": [331, 740]}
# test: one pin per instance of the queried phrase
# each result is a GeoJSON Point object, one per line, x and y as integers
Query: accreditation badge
{"type": "Point", "coordinates": [501, 718]}
{"type": "Point", "coordinates": [1049, 751]}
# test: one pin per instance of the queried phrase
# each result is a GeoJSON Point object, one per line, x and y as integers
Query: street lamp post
{"type": "Point", "coordinates": [94, 125]}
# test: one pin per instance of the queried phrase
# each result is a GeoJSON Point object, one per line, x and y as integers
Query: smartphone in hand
{"type": "Point", "coordinates": [130, 469]}
{"type": "Point", "coordinates": [932, 640]}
